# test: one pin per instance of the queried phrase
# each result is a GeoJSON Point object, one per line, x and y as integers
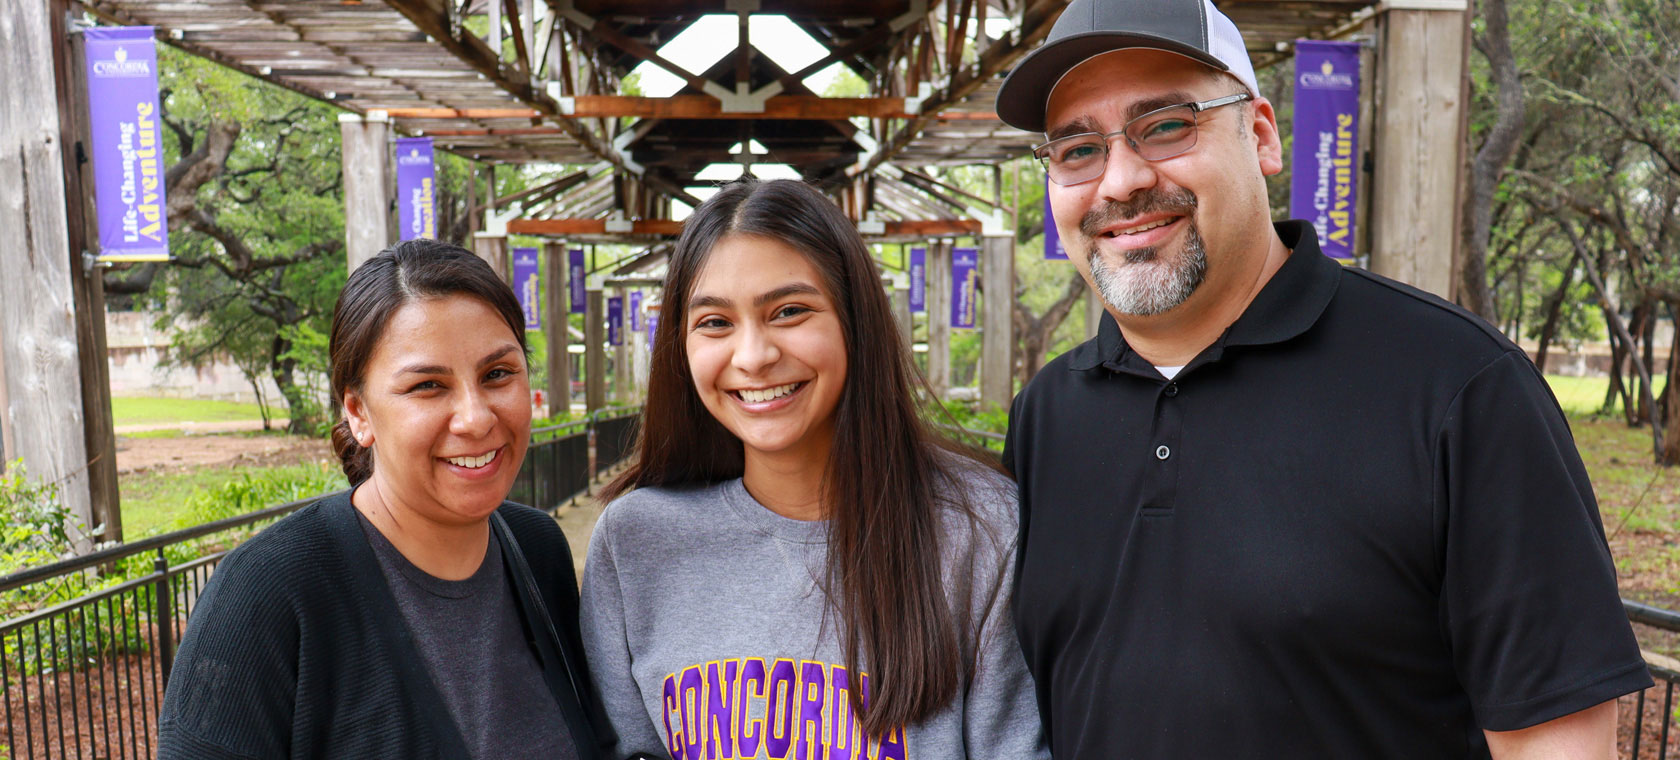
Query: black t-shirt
{"type": "Point", "coordinates": [1355, 526]}
{"type": "Point", "coordinates": [469, 636]}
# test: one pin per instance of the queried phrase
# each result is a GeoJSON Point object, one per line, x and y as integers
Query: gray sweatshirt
{"type": "Point", "coordinates": [709, 634]}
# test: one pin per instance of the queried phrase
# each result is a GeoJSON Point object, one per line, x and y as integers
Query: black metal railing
{"type": "Point", "coordinates": [615, 434]}
{"type": "Point", "coordinates": [1647, 733]}
{"type": "Point", "coordinates": [84, 678]}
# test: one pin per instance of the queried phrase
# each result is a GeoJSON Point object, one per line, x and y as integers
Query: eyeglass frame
{"type": "Point", "coordinates": [1196, 107]}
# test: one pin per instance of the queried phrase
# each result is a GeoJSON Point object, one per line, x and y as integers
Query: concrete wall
{"type": "Point", "coordinates": [137, 349]}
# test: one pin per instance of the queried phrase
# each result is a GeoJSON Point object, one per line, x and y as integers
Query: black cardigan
{"type": "Point", "coordinates": [296, 649]}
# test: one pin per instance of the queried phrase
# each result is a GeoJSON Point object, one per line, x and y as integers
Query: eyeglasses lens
{"type": "Point", "coordinates": [1155, 136]}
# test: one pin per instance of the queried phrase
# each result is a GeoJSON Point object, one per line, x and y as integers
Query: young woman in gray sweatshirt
{"type": "Point", "coordinates": [796, 566]}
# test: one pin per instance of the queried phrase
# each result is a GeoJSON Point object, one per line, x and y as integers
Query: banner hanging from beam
{"type": "Point", "coordinates": [525, 286]}
{"type": "Point", "coordinates": [416, 188]}
{"type": "Point", "coordinates": [1326, 151]}
{"type": "Point", "coordinates": [574, 278]}
{"type": "Point", "coordinates": [615, 320]}
{"type": "Point", "coordinates": [652, 329]}
{"type": "Point", "coordinates": [1053, 250]}
{"type": "Point", "coordinates": [964, 267]}
{"type": "Point", "coordinates": [123, 125]}
{"type": "Point", "coordinates": [918, 280]}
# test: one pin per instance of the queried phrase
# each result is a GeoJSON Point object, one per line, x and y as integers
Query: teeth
{"type": "Point", "coordinates": [473, 463]}
{"type": "Point", "coordinates": [1144, 227]}
{"type": "Point", "coordinates": [758, 397]}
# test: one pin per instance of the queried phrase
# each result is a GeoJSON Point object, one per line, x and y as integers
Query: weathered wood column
{"type": "Point", "coordinates": [555, 323]}
{"type": "Point", "coordinates": [43, 412]}
{"type": "Point", "coordinates": [367, 185]}
{"type": "Point", "coordinates": [997, 333]}
{"type": "Point", "coordinates": [1421, 114]}
{"type": "Point", "coordinates": [901, 315]}
{"type": "Point", "coordinates": [939, 316]}
{"type": "Point", "coordinates": [88, 287]}
{"type": "Point", "coordinates": [493, 248]}
{"type": "Point", "coordinates": [594, 353]}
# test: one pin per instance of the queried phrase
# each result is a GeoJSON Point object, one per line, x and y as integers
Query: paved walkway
{"type": "Point", "coordinates": [577, 519]}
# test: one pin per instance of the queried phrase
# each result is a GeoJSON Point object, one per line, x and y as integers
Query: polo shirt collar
{"type": "Point", "coordinates": [1289, 304]}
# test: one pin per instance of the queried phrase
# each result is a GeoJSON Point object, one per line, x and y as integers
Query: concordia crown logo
{"type": "Point", "coordinates": [1328, 68]}
{"type": "Point", "coordinates": [122, 54]}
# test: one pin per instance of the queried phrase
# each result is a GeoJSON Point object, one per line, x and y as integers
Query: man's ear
{"type": "Point", "coordinates": [1268, 146]}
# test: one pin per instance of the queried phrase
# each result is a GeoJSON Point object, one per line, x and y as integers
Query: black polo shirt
{"type": "Point", "coordinates": [1356, 526]}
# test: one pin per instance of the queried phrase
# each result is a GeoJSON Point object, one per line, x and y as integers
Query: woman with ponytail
{"type": "Point", "coordinates": [419, 614]}
{"type": "Point", "coordinates": [796, 566]}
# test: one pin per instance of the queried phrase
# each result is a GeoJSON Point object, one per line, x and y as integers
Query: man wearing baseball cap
{"type": "Point", "coordinates": [1279, 507]}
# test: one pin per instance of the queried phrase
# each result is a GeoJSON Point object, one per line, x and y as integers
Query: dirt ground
{"type": "Point", "coordinates": [190, 451]}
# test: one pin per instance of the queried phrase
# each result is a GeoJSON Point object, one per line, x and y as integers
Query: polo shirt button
{"type": "Point", "coordinates": [1162, 452]}
{"type": "Point", "coordinates": [1172, 390]}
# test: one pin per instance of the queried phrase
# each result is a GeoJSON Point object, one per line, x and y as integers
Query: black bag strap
{"type": "Point", "coordinates": [544, 624]}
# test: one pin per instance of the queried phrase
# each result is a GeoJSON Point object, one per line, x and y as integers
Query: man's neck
{"type": "Point", "coordinates": [1177, 336]}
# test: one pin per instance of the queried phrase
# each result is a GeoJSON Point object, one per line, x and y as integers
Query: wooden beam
{"type": "Point", "coordinates": [565, 227]}
{"type": "Point", "coordinates": [802, 107]}
{"type": "Point", "coordinates": [367, 191]}
{"type": "Point", "coordinates": [997, 338]}
{"type": "Point", "coordinates": [594, 352]}
{"type": "Point", "coordinates": [37, 305]}
{"type": "Point", "coordinates": [933, 228]}
{"type": "Point", "coordinates": [939, 317]}
{"type": "Point", "coordinates": [93, 357]}
{"type": "Point", "coordinates": [1419, 148]}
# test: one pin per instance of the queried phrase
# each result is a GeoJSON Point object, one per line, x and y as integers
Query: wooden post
{"type": "Point", "coordinates": [1419, 146]}
{"type": "Point", "coordinates": [939, 316]}
{"type": "Point", "coordinates": [493, 249]}
{"type": "Point", "coordinates": [44, 411]}
{"type": "Point", "coordinates": [594, 353]}
{"type": "Point", "coordinates": [367, 189]}
{"type": "Point", "coordinates": [997, 335]}
{"type": "Point", "coordinates": [98, 430]}
{"type": "Point", "coordinates": [556, 318]}
{"type": "Point", "coordinates": [902, 315]}
{"type": "Point", "coordinates": [624, 375]}
{"type": "Point", "coordinates": [1093, 311]}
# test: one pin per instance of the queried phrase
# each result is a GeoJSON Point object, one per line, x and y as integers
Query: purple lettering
{"type": "Point", "coordinates": [691, 699]}
{"type": "Point", "coordinates": [842, 724]}
{"type": "Point", "coordinates": [779, 710]}
{"type": "Point", "coordinates": [752, 672]}
{"type": "Point", "coordinates": [673, 740]}
{"type": "Point", "coordinates": [720, 733]}
{"type": "Point", "coordinates": [811, 686]}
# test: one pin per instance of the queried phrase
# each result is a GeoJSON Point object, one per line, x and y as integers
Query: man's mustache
{"type": "Point", "coordinates": [1179, 201]}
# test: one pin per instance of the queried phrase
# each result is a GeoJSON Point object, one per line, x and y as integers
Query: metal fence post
{"type": "Point", "coordinates": [166, 616]}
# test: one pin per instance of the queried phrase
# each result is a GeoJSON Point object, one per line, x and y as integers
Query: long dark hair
{"type": "Point", "coordinates": [405, 272]}
{"type": "Point", "coordinates": [887, 479]}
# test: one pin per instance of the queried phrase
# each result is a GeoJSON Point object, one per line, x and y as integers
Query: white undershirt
{"type": "Point", "coordinates": [1168, 372]}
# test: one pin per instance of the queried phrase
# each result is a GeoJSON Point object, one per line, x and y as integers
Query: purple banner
{"type": "Point", "coordinates": [416, 189]}
{"type": "Point", "coordinates": [918, 280]}
{"type": "Point", "coordinates": [525, 286]}
{"type": "Point", "coordinates": [123, 126]}
{"type": "Point", "coordinates": [574, 278]}
{"type": "Point", "coordinates": [1053, 249]}
{"type": "Point", "coordinates": [615, 320]}
{"type": "Point", "coordinates": [652, 328]}
{"type": "Point", "coordinates": [1326, 142]}
{"type": "Point", "coordinates": [963, 263]}
{"type": "Point", "coordinates": [635, 310]}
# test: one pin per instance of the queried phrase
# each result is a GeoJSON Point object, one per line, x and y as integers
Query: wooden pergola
{"type": "Point", "coordinates": [540, 81]}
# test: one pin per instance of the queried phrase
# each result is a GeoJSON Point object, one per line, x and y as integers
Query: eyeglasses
{"type": "Point", "coordinates": [1159, 134]}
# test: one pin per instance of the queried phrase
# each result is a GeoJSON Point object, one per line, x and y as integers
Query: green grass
{"type": "Point", "coordinates": [157, 501]}
{"type": "Point", "coordinates": [1584, 396]}
{"type": "Point", "coordinates": [167, 411]}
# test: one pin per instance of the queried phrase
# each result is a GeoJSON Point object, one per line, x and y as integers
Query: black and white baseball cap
{"type": "Point", "coordinates": [1088, 28]}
